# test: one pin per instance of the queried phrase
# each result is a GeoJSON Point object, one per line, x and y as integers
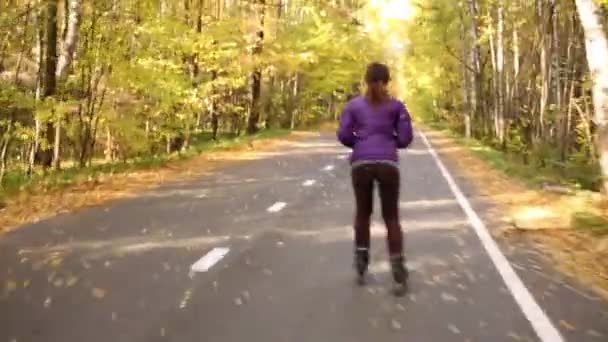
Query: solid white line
{"type": "Point", "coordinates": [208, 260]}
{"type": "Point", "coordinates": [309, 182]}
{"type": "Point", "coordinates": [275, 208]}
{"type": "Point", "coordinates": [542, 325]}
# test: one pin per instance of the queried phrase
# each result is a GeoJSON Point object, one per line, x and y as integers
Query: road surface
{"type": "Point", "coordinates": [262, 251]}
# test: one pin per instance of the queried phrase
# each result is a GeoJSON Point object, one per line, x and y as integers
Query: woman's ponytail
{"type": "Point", "coordinates": [377, 77]}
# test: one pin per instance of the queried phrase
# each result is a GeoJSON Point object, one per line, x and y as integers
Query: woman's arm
{"type": "Point", "coordinates": [403, 128]}
{"type": "Point", "coordinates": [346, 131]}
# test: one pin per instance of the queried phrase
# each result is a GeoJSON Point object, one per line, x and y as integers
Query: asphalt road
{"type": "Point", "coordinates": [275, 241]}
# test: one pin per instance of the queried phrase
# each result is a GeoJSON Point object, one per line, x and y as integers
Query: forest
{"type": "Point", "coordinates": [89, 82]}
{"type": "Point", "coordinates": [84, 83]}
{"type": "Point", "coordinates": [526, 77]}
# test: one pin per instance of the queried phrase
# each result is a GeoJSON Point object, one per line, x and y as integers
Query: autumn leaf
{"type": "Point", "coordinates": [98, 293]}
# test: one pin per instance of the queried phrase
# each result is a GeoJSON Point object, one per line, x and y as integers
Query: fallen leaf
{"type": "Point", "coordinates": [11, 285]}
{"type": "Point", "coordinates": [71, 281]}
{"type": "Point", "coordinates": [56, 262]}
{"type": "Point", "coordinates": [448, 297]}
{"type": "Point", "coordinates": [395, 324]}
{"type": "Point", "coordinates": [454, 329]}
{"type": "Point", "coordinates": [567, 325]}
{"type": "Point", "coordinates": [514, 336]}
{"type": "Point", "coordinates": [594, 333]}
{"type": "Point", "coordinates": [47, 302]}
{"type": "Point", "coordinates": [238, 301]}
{"type": "Point", "coordinates": [98, 293]}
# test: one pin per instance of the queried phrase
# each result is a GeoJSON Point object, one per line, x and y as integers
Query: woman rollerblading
{"type": "Point", "coordinates": [375, 126]}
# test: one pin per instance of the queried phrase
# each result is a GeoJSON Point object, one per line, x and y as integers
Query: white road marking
{"type": "Point", "coordinates": [309, 182]}
{"type": "Point", "coordinates": [328, 168]}
{"type": "Point", "coordinates": [342, 157]}
{"type": "Point", "coordinates": [275, 208]}
{"type": "Point", "coordinates": [541, 323]}
{"type": "Point", "coordinates": [208, 260]}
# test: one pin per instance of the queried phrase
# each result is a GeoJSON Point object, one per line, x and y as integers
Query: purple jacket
{"type": "Point", "coordinates": [375, 133]}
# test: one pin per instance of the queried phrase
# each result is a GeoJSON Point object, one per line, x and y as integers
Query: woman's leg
{"type": "Point", "coordinates": [363, 186]}
{"type": "Point", "coordinates": [388, 178]}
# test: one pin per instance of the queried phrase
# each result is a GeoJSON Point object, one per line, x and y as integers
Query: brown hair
{"type": "Point", "coordinates": [377, 77]}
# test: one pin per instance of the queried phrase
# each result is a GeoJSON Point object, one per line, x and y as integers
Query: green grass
{"type": "Point", "coordinates": [585, 216]}
{"type": "Point", "coordinates": [17, 181]}
{"type": "Point", "coordinates": [569, 174]}
{"type": "Point", "coordinates": [591, 222]}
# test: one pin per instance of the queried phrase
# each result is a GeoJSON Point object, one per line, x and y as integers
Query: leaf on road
{"type": "Point", "coordinates": [567, 325]}
{"type": "Point", "coordinates": [71, 281]}
{"type": "Point", "coordinates": [454, 329]}
{"type": "Point", "coordinates": [56, 261]}
{"type": "Point", "coordinates": [58, 282]}
{"type": "Point", "coordinates": [395, 324]}
{"type": "Point", "coordinates": [515, 336]}
{"type": "Point", "coordinates": [47, 302]}
{"type": "Point", "coordinates": [238, 301]}
{"type": "Point", "coordinates": [448, 297]}
{"type": "Point", "coordinates": [98, 293]}
{"type": "Point", "coordinates": [594, 333]}
{"type": "Point", "coordinates": [11, 286]}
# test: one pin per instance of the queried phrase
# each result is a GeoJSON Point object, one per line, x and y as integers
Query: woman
{"type": "Point", "coordinates": [375, 126]}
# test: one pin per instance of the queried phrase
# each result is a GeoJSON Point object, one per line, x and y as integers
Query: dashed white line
{"type": "Point", "coordinates": [275, 208]}
{"type": "Point", "coordinates": [541, 323]}
{"type": "Point", "coordinates": [328, 168]}
{"type": "Point", "coordinates": [208, 260]}
{"type": "Point", "coordinates": [309, 182]}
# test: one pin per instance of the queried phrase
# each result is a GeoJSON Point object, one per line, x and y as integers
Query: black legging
{"type": "Point", "coordinates": [387, 176]}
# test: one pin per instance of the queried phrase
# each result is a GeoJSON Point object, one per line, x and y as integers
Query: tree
{"type": "Point", "coordinates": [597, 57]}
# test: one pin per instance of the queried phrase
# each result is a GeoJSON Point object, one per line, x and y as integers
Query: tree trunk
{"type": "Point", "coordinates": [71, 38]}
{"type": "Point", "coordinates": [49, 74]}
{"type": "Point", "coordinates": [596, 47]}
{"type": "Point", "coordinates": [294, 110]}
{"type": "Point", "coordinates": [476, 79]}
{"type": "Point", "coordinates": [57, 144]}
{"type": "Point", "coordinates": [466, 84]}
{"type": "Point", "coordinates": [6, 140]}
{"type": "Point", "coordinates": [500, 63]}
{"type": "Point", "coordinates": [545, 67]}
{"type": "Point", "coordinates": [256, 77]}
